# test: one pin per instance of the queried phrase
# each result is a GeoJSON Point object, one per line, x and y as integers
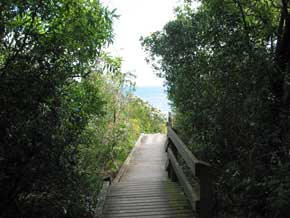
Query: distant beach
{"type": "Point", "coordinates": [155, 96]}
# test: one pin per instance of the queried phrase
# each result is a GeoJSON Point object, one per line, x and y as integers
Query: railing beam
{"type": "Point", "coordinates": [200, 198]}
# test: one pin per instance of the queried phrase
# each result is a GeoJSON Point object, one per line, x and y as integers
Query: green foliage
{"type": "Point", "coordinates": [144, 117]}
{"type": "Point", "coordinates": [107, 140]}
{"type": "Point", "coordinates": [229, 92]}
{"type": "Point", "coordinates": [65, 121]}
{"type": "Point", "coordinates": [44, 46]}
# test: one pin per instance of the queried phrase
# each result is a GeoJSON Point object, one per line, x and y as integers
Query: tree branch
{"type": "Point", "coordinates": [15, 53]}
{"type": "Point", "coordinates": [243, 16]}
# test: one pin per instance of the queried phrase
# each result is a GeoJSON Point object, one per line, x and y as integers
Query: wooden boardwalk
{"type": "Point", "coordinates": [144, 189]}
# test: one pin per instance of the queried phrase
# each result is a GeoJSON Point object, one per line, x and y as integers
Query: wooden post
{"type": "Point", "coordinates": [169, 123]}
{"type": "Point", "coordinates": [102, 197]}
{"type": "Point", "coordinates": [173, 175]}
{"type": "Point", "coordinates": [204, 206]}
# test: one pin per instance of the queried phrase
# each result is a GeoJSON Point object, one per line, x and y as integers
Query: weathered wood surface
{"type": "Point", "coordinates": [144, 190]}
{"type": "Point", "coordinates": [192, 195]}
{"type": "Point", "coordinates": [185, 153]}
{"type": "Point", "coordinates": [200, 196]}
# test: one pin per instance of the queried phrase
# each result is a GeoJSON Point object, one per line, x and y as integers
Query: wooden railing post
{"type": "Point", "coordinates": [169, 123]}
{"type": "Point", "coordinates": [199, 196]}
{"type": "Point", "coordinates": [102, 197]}
{"type": "Point", "coordinates": [204, 206]}
{"type": "Point", "coordinates": [171, 172]}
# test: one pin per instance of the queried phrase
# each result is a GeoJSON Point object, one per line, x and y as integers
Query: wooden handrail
{"type": "Point", "coordinates": [184, 152]}
{"type": "Point", "coordinates": [199, 196]}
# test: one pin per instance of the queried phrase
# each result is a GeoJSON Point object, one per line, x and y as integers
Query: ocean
{"type": "Point", "coordinates": [155, 96]}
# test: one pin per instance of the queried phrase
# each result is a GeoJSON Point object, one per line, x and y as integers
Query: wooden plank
{"type": "Point", "coordinates": [102, 198]}
{"type": "Point", "coordinates": [159, 187]}
{"type": "Point", "coordinates": [184, 152]}
{"type": "Point", "coordinates": [145, 201]}
{"type": "Point", "coordinates": [147, 163]}
{"type": "Point", "coordinates": [188, 190]}
{"type": "Point", "coordinates": [136, 214]}
{"type": "Point", "coordinates": [146, 198]}
{"type": "Point", "coordinates": [150, 209]}
{"type": "Point", "coordinates": [177, 205]}
{"type": "Point", "coordinates": [144, 186]}
{"type": "Point", "coordinates": [157, 216]}
{"type": "Point", "coordinates": [125, 165]}
{"type": "Point", "coordinates": [183, 204]}
{"type": "Point", "coordinates": [137, 191]}
{"type": "Point", "coordinates": [144, 190]}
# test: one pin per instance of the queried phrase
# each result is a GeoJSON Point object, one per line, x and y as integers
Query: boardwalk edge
{"type": "Point", "coordinates": [125, 165]}
{"type": "Point", "coordinates": [106, 185]}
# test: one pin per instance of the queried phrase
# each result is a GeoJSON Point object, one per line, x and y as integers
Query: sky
{"type": "Point", "coordinates": [138, 18]}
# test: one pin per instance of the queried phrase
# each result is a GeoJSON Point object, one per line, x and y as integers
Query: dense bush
{"type": "Point", "coordinates": [226, 65]}
{"type": "Point", "coordinates": [64, 119]}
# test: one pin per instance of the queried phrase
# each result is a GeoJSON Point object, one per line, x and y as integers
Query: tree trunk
{"type": "Point", "coordinates": [280, 83]}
